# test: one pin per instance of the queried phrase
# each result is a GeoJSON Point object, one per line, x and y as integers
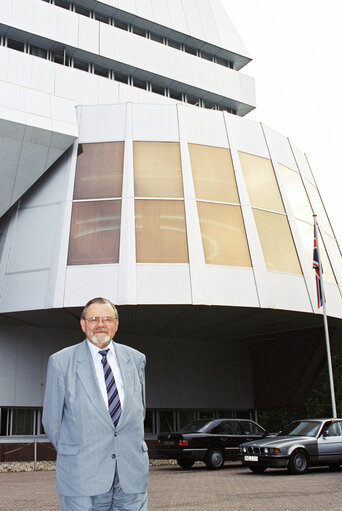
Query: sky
{"type": "Point", "coordinates": [296, 48]}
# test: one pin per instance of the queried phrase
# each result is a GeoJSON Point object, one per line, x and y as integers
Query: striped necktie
{"type": "Point", "coordinates": [114, 405]}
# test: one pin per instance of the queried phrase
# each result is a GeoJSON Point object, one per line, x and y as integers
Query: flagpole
{"type": "Point", "coordinates": [326, 329]}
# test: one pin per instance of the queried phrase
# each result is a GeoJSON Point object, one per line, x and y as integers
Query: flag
{"type": "Point", "coordinates": [318, 270]}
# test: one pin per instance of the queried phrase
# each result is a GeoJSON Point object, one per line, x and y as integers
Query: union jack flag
{"type": "Point", "coordinates": [318, 270]}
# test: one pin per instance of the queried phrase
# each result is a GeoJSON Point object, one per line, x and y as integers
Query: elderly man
{"type": "Point", "coordinates": [94, 410]}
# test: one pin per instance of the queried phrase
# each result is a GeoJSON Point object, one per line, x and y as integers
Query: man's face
{"type": "Point", "coordinates": [99, 332]}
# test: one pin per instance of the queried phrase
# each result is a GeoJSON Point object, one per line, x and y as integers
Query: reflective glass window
{"type": "Point", "coordinates": [296, 193]}
{"type": "Point", "coordinates": [99, 170]}
{"type": "Point", "coordinates": [261, 182]}
{"type": "Point", "coordinates": [276, 242]}
{"type": "Point", "coordinates": [157, 169]}
{"type": "Point", "coordinates": [23, 421]}
{"type": "Point", "coordinates": [223, 234]}
{"type": "Point", "coordinates": [160, 231]}
{"type": "Point", "coordinates": [318, 207]}
{"type": "Point", "coordinates": [95, 232]}
{"type": "Point", "coordinates": [213, 173]}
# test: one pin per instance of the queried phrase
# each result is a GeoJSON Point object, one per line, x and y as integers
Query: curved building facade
{"type": "Point", "coordinates": [135, 177]}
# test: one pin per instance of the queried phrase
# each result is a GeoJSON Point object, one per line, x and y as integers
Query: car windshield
{"type": "Point", "coordinates": [301, 428]}
{"type": "Point", "coordinates": [197, 426]}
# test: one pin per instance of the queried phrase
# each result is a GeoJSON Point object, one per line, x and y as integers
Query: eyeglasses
{"type": "Point", "coordinates": [107, 320]}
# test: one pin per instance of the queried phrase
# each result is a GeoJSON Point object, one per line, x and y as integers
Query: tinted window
{"type": "Point", "coordinates": [227, 428]}
{"type": "Point", "coordinates": [197, 426]}
{"type": "Point", "coordinates": [250, 428]}
{"type": "Point", "coordinates": [302, 428]}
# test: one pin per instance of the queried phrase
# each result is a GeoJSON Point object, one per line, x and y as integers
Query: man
{"type": "Point", "coordinates": [94, 410]}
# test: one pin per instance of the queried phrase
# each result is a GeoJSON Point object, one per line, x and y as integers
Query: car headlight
{"type": "Point", "coordinates": [271, 450]}
{"type": "Point", "coordinates": [243, 449]}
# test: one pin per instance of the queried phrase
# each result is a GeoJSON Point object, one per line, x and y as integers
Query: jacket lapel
{"type": "Point", "coordinates": [86, 372]}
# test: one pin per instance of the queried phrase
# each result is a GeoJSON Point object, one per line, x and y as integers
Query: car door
{"type": "Point", "coordinates": [329, 444]}
{"type": "Point", "coordinates": [250, 431]}
{"type": "Point", "coordinates": [227, 436]}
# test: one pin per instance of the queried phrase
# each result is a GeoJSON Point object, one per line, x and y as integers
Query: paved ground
{"type": "Point", "coordinates": [173, 489]}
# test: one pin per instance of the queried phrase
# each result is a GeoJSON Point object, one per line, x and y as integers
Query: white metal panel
{"type": "Point", "coordinates": [34, 239]}
{"type": "Point", "coordinates": [227, 35]}
{"type": "Point", "coordinates": [194, 19]}
{"type": "Point", "coordinates": [45, 21]}
{"type": "Point", "coordinates": [43, 75]}
{"type": "Point", "coordinates": [102, 123]}
{"type": "Point", "coordinates": [19, 68]}
{"type": "Point", "coordinates": [247, 136]}
{"type": "Point", "coordinates": [279, 148]}
{"type": "Point", "coordinates": [285, 291]}
{"type": "Point", "coordinates": [108, 92]}
{"type": "Point", "coordinates": [88, 34]}
{"type": "Point", "coordinates": [144, 9]}
{"type": "Point", "coordinates": [67, 27]}
{"type": "Point", "coordinates": [157, 122]}
{"type": "Point", "coordinates": [231, 286]}
{"type": "Point", "coordinates": [335, 257]}
{"type": "Point", "coordinates": [3, 63]}
{"type": "Point", "coordinates": [302, 163]}
{"type": "Point", "coordinates": [86, 85]}
{"type": "Point", "coordinates": [32, 286]}
{"type": "Point", "coordinates": [23, 14]}
{"type": "Point", "coordinates": [37, 103]}
{"type": "Point", "coordinates": [178, 19]}
{"type": "Point", "coordinates": [128, 5]}
{"type": "Point", "coordinates": [334, 300]}
{"type": "Point", "coordinates": [84, 282]}
{"type": "Point", "coordinates": [162, 12]}
{"type": "Point", "coordinates": [202, 126]}
{"type": "Point", "coordinates": [163, 283]}
{"type": "Point", "coordinates": [206, 14]}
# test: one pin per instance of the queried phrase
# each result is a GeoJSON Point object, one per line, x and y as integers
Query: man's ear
{"type": "Point", "coordinates": [82, 322]}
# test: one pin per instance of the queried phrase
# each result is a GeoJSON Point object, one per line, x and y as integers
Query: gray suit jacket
{"type": "Point", "coordinates": [76, 420]}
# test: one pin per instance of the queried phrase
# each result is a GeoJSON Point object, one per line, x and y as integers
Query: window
{"type": "Point", "coordinates": [141, 84]}
{"type": "Point", "coordinates": [119, 77]}
{"type": "Point", "coordinates": [166, 421]}
{"type": "Point", "coordinates": [58, 57]}
{"type": "Point", "coordinates": [157, 169]}
{"type": "Point", "coordinates": [99, 170]}
{"type": "Point", "coordinates": [213, 173]}
{"type": "Point", "coordinates": [223, 234]}
{"type": "Point", "coordinates": [261, 182]}
{"type": "Point", "coordinates": [190, 49]}
{"type": "Point", "coordinates": [138, 31]}
{"type": "Point", "coordinates": [222, 62]}
{"type": "Point", "coordinates": [23, 421]}
{"type": "Point", "coordinates": [156, 37]}
{"type": "Point", "coordinates": [120, 24]}
{"type": "Point", "coordinates": [62, 3]}
{"type": "Point", "coordinates": [101, 71]}
{"type": "Point", "coordinates": [81, 64]}
{"type": "Point", "coordinates": [250, 428]}
{"type": "Point", "coordinates": [227, 428]}
{"type": "Point", "coordinates": [175, 94]}
{"type": "Point", "coordinates": [296, 193]}
{"type": "Point", "coordinates": [276, 242]}
{"type": "Point", "coordinates": [174, 44]}
{"type": "Point", "coordinates": [157, 89]}
{"type": "Point", "coordinates": [38, 52]}
{"type": "Point", "coordinates": [192, 100]}
{"type": "Point", "coordinates": [95, 232]}
{"type": "Point", "coordinates": [206, 56]}
{"type": "Point", "coordinates": [101, 17]}
{"type": "Point", "coordinates": [15, 45]}
{"type": "Point", "coordinates": [160, 231]}
{"type": "Point", "coordinates": [82, 10]}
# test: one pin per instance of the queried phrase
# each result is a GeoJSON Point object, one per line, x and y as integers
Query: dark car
{"type": "Point", "coordinates": [301, 444]}
{"type": "Point", "coordinates": [212, 441]}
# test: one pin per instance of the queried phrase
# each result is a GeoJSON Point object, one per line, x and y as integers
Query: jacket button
{"type": "Point", "coordinates": [113, 456]}
{"type": "Point", "coordinates": [115, 434]}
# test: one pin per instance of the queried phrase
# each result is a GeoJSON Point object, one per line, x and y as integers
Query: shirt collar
{"type": "Point", "coordinates": [95, 349]}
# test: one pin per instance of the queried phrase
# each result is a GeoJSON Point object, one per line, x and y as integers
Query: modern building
{"type": "Point", "coordinates": [129, 171]}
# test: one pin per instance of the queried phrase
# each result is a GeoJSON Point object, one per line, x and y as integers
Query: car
{"type": "Point", "coordinates": [301, 444]}
{"type": "Point", "coordinates": [210, 440]}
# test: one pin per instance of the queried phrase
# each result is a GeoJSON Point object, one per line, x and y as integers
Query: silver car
{"type": "Point", "coordinates": [303, 443]}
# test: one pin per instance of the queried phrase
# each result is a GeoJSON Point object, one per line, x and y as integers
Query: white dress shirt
{"type": "Point", "coordinates": [113, 362]}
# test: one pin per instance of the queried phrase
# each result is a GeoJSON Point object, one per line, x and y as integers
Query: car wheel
{"type": "Point", "coordinates": [185, 463]}
{"type": "Point", "coordinates": [334, 467]}
{"type": "Point", "coordinates": [298, 463]}
{"type": "Point", "coordinates": [257, 469]}
{"type": "Point", "coordinates": [214, 459]}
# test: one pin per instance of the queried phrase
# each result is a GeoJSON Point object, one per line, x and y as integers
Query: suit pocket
{"type": "Point", "coordinates": [144, 446]}
{"type": "Point", "coordinates": [71, 449]}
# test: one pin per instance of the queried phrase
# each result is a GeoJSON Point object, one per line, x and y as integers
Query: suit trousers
{"type": "Point", "coordinates": [114, 500]}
